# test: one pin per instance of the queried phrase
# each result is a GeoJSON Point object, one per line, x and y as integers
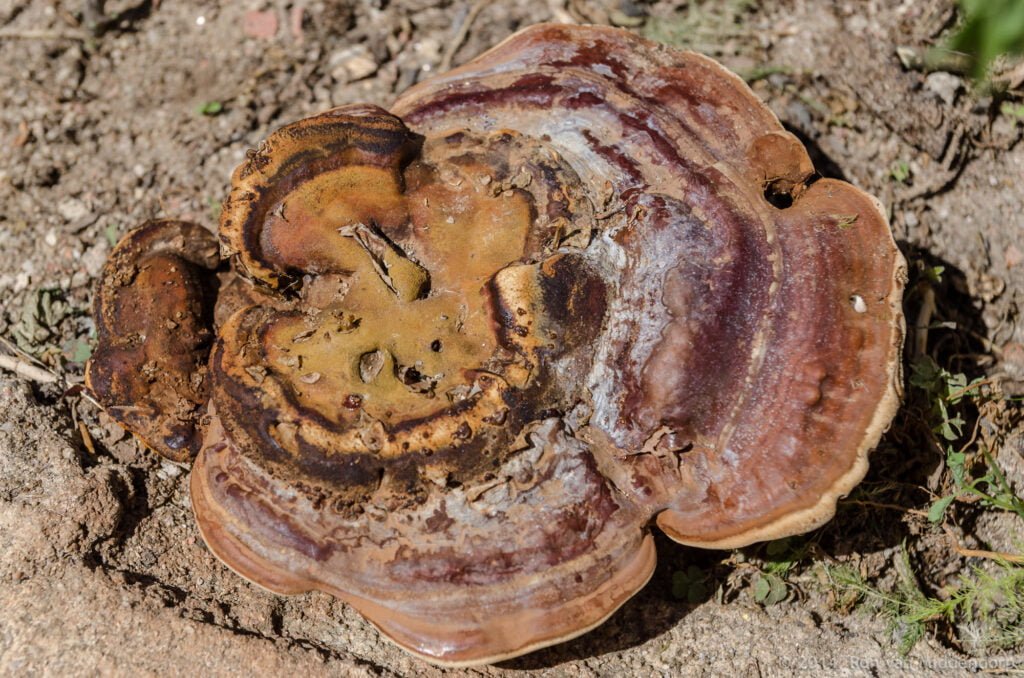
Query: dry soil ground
{"type": "Point", "coordinates": [102, 570]}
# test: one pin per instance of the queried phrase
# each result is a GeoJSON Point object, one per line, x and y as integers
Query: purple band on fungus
{"type": "Point", "coordinates": [468, 351]}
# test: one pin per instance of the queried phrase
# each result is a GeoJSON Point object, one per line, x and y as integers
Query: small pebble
{"type": "Point", "coordinates": [352, 63]}
{"type": "Point", "coordinates": [945, 86]}
{"type": "Point", "coordinates": [1013, 256]}
{"type": "Point", "coordinates": [168, 470]}
{"type": "Point", "coordinates": [261, 25]}
{"type": "Point", "coordinates": [72, 209]}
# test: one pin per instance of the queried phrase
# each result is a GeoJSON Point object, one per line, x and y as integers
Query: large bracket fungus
{"type": "Point", "coordinates": [465, 353]}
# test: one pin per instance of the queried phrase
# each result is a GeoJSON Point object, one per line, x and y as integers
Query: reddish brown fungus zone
{"type": "Point", "coordinates": [454, 360]}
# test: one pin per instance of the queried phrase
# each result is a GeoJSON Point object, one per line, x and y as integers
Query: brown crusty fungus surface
{"type": "Point", "coordinates": [466, 352]}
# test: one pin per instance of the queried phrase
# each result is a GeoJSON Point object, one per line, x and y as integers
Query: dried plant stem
{"type": "Point", "coordinates": [29, 34]}
{"type": "Point", "coordinates": [83, 430]}
{"type": "Point", "coordinates": [460, 37]}
{"type": "Point", "coordinates": [924, 318]}
{"type": "Point", "coordinates": [26, 370]}
{"type": "Point", "coordinates": [960, 392]}
{"type": "Point", "coordinates": [893, 507]}
{"type": "Point", "coordinates": [974, 436]}
{"type": "Point", "coordinates": [980, 553]}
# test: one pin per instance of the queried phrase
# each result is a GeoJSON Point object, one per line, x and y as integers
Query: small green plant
{"type": "Point", "coordinates": [211, 108]}
{"type": "Point", "coordinates": [975, 475]}
{"type": "Point", "coordinates": [845, 221]}
{"type": "Point", "coordinates": [41, 314]}
{"type": "Point", "coordinates": [761, 72]}
{"type": "Point", "coordinates": [990, 29]}
{"type": "Point", "coordinates": [991, 488]}
{"type": "Point", "coordinates": [934, 274]}
{"type": "Point", "coordinates": [690, 584]}
{"type": "Point", "coordinates": [944, 391]}
{"type": "Point", "coordinates": [215, 208]}
{"type": "Point", "coordinates": [1012, 110]}
{"type": "Point", "coordinates": [769, 589]}
{"type": "Point", "coordinates": [78, 350]}
{"type": "Point", "coordinates": [110, 232]}
{"type": "Point", "coordinates": [769, 584]}
{"type": "Point", "coordinates": [900, 172]}
{"type": "Point", "coordinates": [986, 605]}
{"type": "Point", "coordinates": [707, 27]}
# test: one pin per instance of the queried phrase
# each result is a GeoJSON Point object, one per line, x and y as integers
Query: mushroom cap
{"type": "Point", "coordinates": [480, 343]}
{"type": "Point", "coordinates": [153, 314]}
{"type": "Point", "coordinates": [754, 335]}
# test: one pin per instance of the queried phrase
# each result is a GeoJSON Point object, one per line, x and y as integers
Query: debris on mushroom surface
{"type": "Point", "coordinates": [467, 351]}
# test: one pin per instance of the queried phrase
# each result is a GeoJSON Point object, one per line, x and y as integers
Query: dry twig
{"type": "Point", "coordinates": [27, 370]}
{"type": "Point", "coordinates": [460, 37]}
{"type": "Point", "coordinates": [923, 320]}
{"type": "Point", "coordinates": [893, 507]}
{"type": "Point", "coordinates": [979, 553]}
{"type": "Point", "coordinates": [30, 34]}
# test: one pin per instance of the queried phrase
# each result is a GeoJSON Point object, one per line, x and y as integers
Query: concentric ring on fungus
{"type": "Point", "coordinates": [469, 350]}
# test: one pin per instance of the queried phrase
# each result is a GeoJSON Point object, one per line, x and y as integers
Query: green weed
{"type": "Point", "coordinates": [704, 27]}
{"type": "Point", "coordinates": [215, 207]}
{"type": "Point", "coordinates": [985, 606]}
{"type": "Point", "coordinates": [690, 584]}
{"type": "Point", "coordinates": [975, 475]}
{"type": "Point", "coordinates": [762, 72]}
{"type": "Point", "coordinates": [1012, 110]}
{"type": "Point", "coordinates": [900, 172]}
{"type": "Point", "coordinates": [990, 29]}
{"type": "Point", "coordinates": [211, 108]}
{"type": "Point", "coordinates": [110, 232]}
{"type": "Point", "coordinates": [769, 585]}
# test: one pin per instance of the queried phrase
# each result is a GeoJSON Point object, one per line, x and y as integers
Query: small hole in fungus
{"type": "Point", "coordinates": [435, 346]}
{"type": "Point", "coordinates": [777, 199]}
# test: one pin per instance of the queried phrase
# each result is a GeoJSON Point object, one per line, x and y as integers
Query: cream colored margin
{"type": "Point", "coordinates": [811, 518]}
